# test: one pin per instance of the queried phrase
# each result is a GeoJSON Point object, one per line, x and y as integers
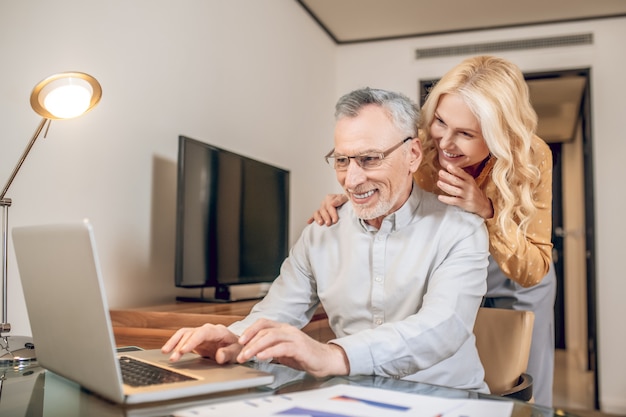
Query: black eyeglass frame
{"type": "Point", "coordinates": [360, 159]}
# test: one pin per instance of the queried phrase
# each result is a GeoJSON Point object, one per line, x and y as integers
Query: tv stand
{"type": "Point", "coordinates": [224, 293]}
{"type": "Point", "coordinates": [215, 300]}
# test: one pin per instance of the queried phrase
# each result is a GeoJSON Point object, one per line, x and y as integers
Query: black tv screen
{"type": "Point", "coordinates": [231, 218]}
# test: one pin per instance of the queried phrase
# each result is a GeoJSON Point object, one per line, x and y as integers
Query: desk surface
{"type": "Point", "coordinates": [236, 308]}
{"type": "Point", "coordinates": [150, 327]}
{"type": "Point", "coordinates": [35, 392]}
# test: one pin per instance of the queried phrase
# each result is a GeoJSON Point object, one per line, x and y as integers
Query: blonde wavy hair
{"type": "Point", "coordinates": [495, 91]}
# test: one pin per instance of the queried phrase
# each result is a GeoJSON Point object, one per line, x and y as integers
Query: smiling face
{"type": "Point", "coordinates": [457, 134]}
{"type": "Point", "coordinates": [375, 192]}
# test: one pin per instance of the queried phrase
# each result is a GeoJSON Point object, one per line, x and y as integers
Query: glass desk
{"type": "Point", "coordinates": [32, 391]}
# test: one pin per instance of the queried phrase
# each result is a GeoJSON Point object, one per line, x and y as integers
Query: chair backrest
{"type": "Point", "coordinates": [503, 339]}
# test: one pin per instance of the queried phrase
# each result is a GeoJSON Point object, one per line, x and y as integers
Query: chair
{"type": "Point", "coordinates": [503, 339]}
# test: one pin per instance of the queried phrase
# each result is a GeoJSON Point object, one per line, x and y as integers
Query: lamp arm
{"type": "Point", "coordinates": [23, 157]}
{"type": "Point", "coordinates": [5, 204]}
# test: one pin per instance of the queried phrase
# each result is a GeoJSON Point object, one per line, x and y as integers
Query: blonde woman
{"type": "Point", "coordinates": [481, 153]}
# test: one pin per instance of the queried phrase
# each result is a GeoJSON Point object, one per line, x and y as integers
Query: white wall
{"type": "Point", "coordinates": [391, 64]}
{"type": "Point", "coordinates": [259, 83]}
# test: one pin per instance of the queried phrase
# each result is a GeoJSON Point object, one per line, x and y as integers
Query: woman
{"type": "Point", "coordinates": [481, 153]}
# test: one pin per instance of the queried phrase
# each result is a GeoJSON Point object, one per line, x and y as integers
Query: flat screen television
{"type": "Point", "coordinates": [232, 217]}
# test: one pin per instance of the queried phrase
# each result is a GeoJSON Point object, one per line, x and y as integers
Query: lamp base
{"type": "Point", "coordinates": [16, 351]}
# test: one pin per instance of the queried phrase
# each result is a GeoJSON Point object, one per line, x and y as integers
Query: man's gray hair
{"type": "Point", "coordinates": [402, 110]}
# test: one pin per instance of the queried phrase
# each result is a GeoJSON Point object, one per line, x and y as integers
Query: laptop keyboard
{"type": "Point", "coordinates": [140, 374]}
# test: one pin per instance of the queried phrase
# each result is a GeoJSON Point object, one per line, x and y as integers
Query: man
{"type": "Point", "coordinates": [400, 276]}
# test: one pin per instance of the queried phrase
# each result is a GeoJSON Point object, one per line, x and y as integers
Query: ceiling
{"type": "Point", "coordinates": [348, 21]}
{"type": "Point", "coordinates": [556, 100]}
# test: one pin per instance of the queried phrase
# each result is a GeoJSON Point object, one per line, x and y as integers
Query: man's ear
{"type": "Point", "coordinates": [416, 154]}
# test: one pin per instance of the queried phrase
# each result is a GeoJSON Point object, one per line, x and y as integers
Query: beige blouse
{"type": "Point", "coordinates": [528, 262]}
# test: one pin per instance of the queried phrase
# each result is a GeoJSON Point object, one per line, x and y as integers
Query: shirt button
{"type": "Point", "coordinates": [378, 278]}
{"type": "Point", "coordinates": [379, 322]}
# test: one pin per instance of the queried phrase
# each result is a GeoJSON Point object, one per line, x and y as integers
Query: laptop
{"type": "Point", "coordinates": [72, 332]}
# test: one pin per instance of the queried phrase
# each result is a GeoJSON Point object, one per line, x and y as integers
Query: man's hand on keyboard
{"type": "Point", "coordinates": [267, 339]}
{"type": "Point", "coordinates": [213, 341]}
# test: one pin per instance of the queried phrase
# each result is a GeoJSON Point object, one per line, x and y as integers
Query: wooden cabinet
{"type": "Point", "coordinates": [150, 327]}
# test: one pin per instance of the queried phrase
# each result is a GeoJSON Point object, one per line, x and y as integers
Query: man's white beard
{"type": "Point", "coordinates": [381, 208]}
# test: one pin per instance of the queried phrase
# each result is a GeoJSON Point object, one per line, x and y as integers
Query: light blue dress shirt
{"type": "Point", "coordinates": [401, 300]}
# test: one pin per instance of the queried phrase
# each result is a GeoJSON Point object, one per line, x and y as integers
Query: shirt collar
{"type": "Point", "coordinates": [401, 217]}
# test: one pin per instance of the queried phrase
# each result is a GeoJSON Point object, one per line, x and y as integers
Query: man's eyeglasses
{"type": "Point", "coordinates": [365, 161]}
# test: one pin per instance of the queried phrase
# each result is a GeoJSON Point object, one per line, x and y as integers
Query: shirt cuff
{"type": "Point", "coordinates": [359, 358]}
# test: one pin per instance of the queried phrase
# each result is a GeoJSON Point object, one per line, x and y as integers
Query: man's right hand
{"type": "Point", "coordinates": [213, 341]}
{"type": "Point", "coordinates": [327, 213]}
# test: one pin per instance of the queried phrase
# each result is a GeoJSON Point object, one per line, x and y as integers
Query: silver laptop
{"type": "Point", "coordinates": [72, 332]}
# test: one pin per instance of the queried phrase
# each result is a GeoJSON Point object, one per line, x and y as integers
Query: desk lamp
{"type": "Point", "coordinates": [61, 96]}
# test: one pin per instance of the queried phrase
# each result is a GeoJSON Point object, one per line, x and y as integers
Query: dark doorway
{"type": "Point", "coordinates": [558, 253]}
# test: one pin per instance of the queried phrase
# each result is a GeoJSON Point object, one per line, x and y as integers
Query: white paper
{"type": "Point", "coordinates": [353, 401]}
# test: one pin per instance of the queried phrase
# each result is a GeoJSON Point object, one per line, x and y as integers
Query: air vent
{"type": "Point", "coordinates": [485, 48]}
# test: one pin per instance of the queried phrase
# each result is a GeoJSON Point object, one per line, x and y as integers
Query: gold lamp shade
{"type": "Point", "coordinates": [65, 95]}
